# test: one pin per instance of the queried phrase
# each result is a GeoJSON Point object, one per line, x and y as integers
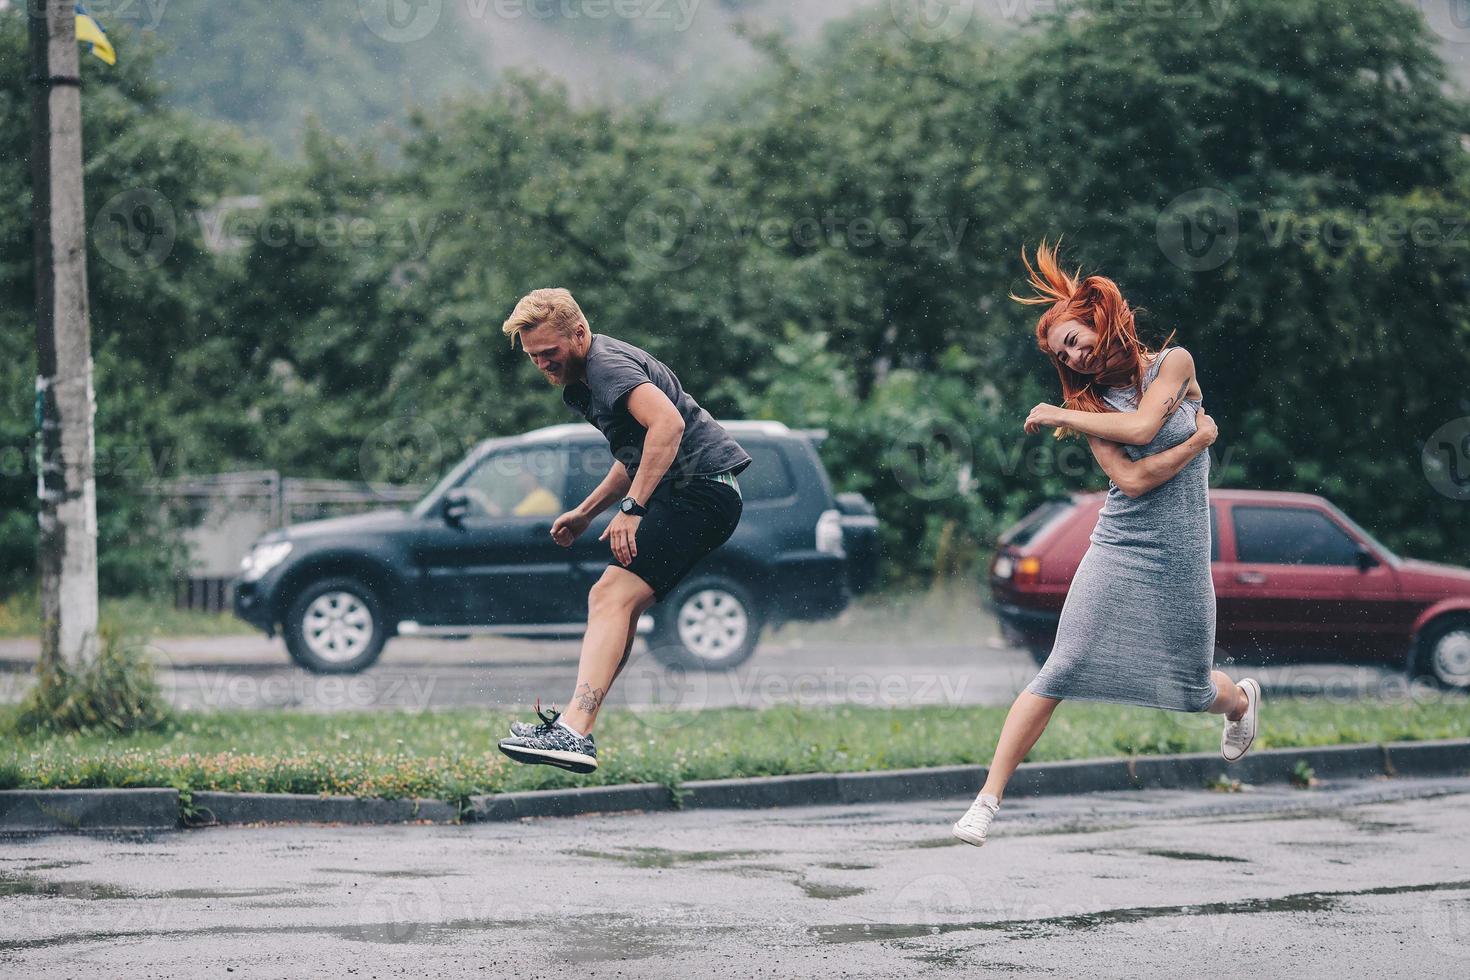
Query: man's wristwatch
{"type": "Point", "coordinates": [632, 507]}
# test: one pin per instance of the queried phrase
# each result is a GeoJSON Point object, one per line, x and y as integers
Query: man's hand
{"type": "Point", "coordinates": [1205, 429]}
{"type": "Point", "coordinates": [622, 535]}
{"type": "Point", "coordinates": [1043, 414]}
{"type": "Point", "coordinates": [566, 528]}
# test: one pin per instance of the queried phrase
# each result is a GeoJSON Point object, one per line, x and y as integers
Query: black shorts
{"type": "Point", "coordinates": [686, 520]}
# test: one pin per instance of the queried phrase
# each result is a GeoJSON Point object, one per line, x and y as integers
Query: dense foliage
{"type": "Point", "coordinates": [1284, 184]}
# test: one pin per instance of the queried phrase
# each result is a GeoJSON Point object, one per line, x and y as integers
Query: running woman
{"type": "Point", "coordinates": [1138, 623]}
{"type": "Point", "coordinates": [672, 478]}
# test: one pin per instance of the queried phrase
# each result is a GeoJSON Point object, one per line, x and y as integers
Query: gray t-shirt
{"type": "Point", "coordinates": [614, 369]}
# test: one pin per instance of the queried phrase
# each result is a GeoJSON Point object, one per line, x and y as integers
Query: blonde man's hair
{"type": "Point", "coordinates": [543, 306]}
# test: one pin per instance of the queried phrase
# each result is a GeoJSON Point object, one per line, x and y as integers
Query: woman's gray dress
{"type": "Point", "coordinates": [1138, 623]}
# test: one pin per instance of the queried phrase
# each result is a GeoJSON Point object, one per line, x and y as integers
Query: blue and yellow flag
{"type": "Point", "coordinates": [90, 32]}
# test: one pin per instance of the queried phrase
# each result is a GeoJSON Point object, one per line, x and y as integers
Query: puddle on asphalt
{"type": "Point", "coordinates": [846, 866]}
{"type": "Point", "coordinates": [25, 884]}
{"type": "Point", "coordinates": [815, 889]}
{"type": "Point", "coordinates": [1035, 928]}
{"type": "Point", "coordinates": [28, 884]}
{"type": "Point", "coordinates": [658, 857]}
{"type": "Point", "coordinates": [390, 873]}
{"type": "Point", "coordinates": [1163, 853]}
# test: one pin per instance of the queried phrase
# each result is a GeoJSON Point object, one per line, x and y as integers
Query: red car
{"type": "Point", "coordinates": [1295, 581]}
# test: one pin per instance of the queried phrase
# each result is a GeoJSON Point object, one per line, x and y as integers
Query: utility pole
{"type": "Point", "coordinates": [65, 402]}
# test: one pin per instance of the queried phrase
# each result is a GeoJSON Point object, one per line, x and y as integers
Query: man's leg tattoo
{"type": "Point", "coordinates": [589, 698]}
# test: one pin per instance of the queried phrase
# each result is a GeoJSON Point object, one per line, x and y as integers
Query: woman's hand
{"type": "Point", "coordinates": [1043, 414]}
{"type": "Point", "coordinates": [1205, 429]}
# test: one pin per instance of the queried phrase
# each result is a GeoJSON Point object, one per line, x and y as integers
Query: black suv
{"type": "Point", "coordinates": [475, 555]}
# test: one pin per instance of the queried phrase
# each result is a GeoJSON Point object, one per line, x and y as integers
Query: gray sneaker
{"type": "Point", "coordinates": [551, 744]}
{"type": "Point", "coordinates": [520, 729]}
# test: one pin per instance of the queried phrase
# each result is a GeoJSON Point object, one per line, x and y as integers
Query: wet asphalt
{"type": "Point", "coordinates": [1362, 879]}
{"type": "Point", "coordinates": [909, 664]}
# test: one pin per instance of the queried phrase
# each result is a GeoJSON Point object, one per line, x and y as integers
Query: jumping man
{"type": "Point", "coordinates": [672, 477]}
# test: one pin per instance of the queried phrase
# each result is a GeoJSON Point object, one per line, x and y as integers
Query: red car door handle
{"type": "Point", "coordinates": [1250, 578]}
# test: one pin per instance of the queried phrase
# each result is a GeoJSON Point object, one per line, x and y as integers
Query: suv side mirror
{"type": "Point", "coordinates": [1365, 559]}
{"type": "Point", "coordinates": [456, 506]}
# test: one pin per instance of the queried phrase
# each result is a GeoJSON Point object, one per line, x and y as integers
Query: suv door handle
{"type": "Point", "coordinates": [1250, 578]}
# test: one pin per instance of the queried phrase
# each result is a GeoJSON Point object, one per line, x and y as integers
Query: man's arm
{"type": "Point", "coordinates": [614, 487]}
{"type": "Point", "coordinates": [655, 412]}
{"type": "Point", "coordinates": [664, 431]}
{"type": "Point", "coordinates": [1138, 477]}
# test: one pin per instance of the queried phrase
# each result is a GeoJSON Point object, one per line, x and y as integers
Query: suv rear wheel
{"type": "Point", "coordinates": [336, 626]}
{"type": "Point", "coordinates": [1442, 652]}
{"type": "Point", "coordinates": [708, 623]}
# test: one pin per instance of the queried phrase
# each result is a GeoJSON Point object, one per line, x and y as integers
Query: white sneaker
{"type": "Point", "coordinates": [973, 826]}
{"type": "Point", "coordinates": [1236, 739]}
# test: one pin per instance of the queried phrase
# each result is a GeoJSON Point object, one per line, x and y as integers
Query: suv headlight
{"type": "Point", "coordinates": [262, 558]}
{"type": "Point", "coordinates": [829, 533]}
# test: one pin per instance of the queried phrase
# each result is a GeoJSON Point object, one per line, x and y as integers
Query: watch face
{"type": "Point", "coordinates": [628, 505]}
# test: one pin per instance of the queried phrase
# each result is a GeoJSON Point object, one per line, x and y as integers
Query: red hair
{"type": "Point", "coordinates": [1094, 302]}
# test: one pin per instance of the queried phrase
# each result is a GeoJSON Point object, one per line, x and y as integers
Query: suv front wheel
{"type": "Point", "coordinates": [336, 626]}
{"type": "Point", "coordinates": [708, 623]}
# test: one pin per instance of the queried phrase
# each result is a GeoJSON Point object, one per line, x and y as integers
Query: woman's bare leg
{"type": "Point", "coordinates": [1025, 722]}
{"type": "Point", "coordinates": [1230, 700]}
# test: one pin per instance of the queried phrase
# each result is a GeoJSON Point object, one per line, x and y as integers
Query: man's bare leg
{"type": "Point", "coordinates": [613, 608]}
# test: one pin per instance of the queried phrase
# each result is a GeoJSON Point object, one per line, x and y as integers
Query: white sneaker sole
{"type": "Point", "coordinates": [1254, 713]}
{"type": "Point", "coordinates": [968, 836]}
{"type": "Point", "coordinates": [571, 761]}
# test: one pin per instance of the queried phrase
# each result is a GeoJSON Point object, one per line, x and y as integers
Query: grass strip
{"type": "Point", "coordinates": [449, 755]}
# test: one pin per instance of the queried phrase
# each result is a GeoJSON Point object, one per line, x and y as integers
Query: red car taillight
{"type": "Point", "coordinates": [1028, 570]}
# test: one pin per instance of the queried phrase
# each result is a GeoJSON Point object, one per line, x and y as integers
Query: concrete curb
{"type": "Point", "coordinates": [88, 809]}
{"type": "Point", "coordinates": [92, 809]}
{"type": "Point", "coordinates": [233, 808]}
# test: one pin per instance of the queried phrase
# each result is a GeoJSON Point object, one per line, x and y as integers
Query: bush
{"type": "Point", "coordinates": [117, 692]}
